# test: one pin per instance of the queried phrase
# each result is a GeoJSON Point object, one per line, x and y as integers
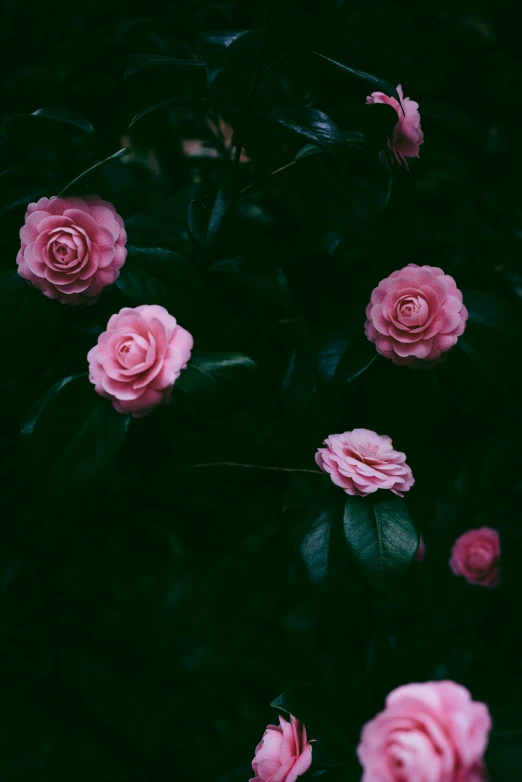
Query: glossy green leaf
{"type": "Point", "coordinates": [68, 117]}
{"type": "Point", "coordinates": [224, 47]}
{"type": "Point", "coordinates": [30, 319]}
{"type": "Point", "coordinates": [489, 310]}
{"type": "Point", "coordinates": [99, 164]}
{"type": "Point", "coordinates": [155, 274]}
{"type": "Point", "coordinates": [380, 534]}
{"type": "Point", "coordinates": [312, 124]}
{"type": "Point", "coordinates": [308, 150]}
{"type": "Point", "coordinates": [315, 546]}
{"type": "Point", "coordinates": [207, 211]}
{"type": "Point", "coordinates": [70, 435]}
{"type": "Point", "coordinates": [140, 62]}
{"type": "Point", "coordinates": [342, 350]}
{"type": "Point", "coordinates": [299, 385]}
{"type": "Point", "coordinates": [217, 383]}
{"type": "Point", "coordinates": [257, 280]}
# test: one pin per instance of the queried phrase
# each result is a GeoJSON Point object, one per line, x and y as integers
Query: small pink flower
{"type": "Point", "coordinates": [72, 248]}
{"type": "Point", "coordinates": [431, 732]}
{"type": "Point", "coordinates": [407, 133]}
{"type": "Point", "coordinates": [283, 754]}
{"type": "Point", "coordinates": [476, 556]}
{"type": "Point", "coordinates": [138, 359]}
{"type": "Point", "coordinates": [415, 315]}
{"type": "Point", "coordinates": [421, 551]}
{"type": "Point", "coordinates": [360, 462]}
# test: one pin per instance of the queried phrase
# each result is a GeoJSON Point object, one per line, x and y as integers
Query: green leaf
{"type": "Point", "coordinates": [298, 385]}
{"type": "Point", "coordinates": [207, 211]}
{"type": "Point", "coordinates": [217, 383]}
{"type": "Point", "coordinates": [155, 274]}
{"type": "Point", "coordinates": [140, 62]}
{"type": "Point", "coordinates": [380, 534]}
{"type": "Point", "coordinates": [222, 48]}
{"type": "Point", "coordinates": [99, 164]}
{"type": "Point", "coordinates": [254, 279]}
{"type": "Point", "coordinates": [315, 547]}
{"type": "Point", "coordinates": [312, 124]}
{"type": "Point", "coordinates": [308, 150]}
{"type": "Point", "coordinates": [374, 82]}
{"type": "Point", "coordinates": [68, 117]}
{"type": "Point", "coordinates": [342, 351]}
{"type": "Point", "coordinates": [163, 104]}
{"type": "Point", "coordinates": [491, 311]}
{"type": "Point", "coordinates": [71, 435]}
{"type": "Point", "coordinates": [30, 319]}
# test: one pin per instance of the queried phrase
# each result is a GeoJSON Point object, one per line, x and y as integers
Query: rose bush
{"type": "Point", "coordinates": [283, 754]}
{"type": "Point", "coordinates": [72, 248]}
{"type": "Point", "coordinates": [476, 557]}
{"type": "Point", "coordinates": [431, 732]}
{"type": "Point", "coordinates": [361, 462]}
{"type": "Point", "coordinates": [415, 315]}
{"type": "Point", "coordinates": [137, 360]}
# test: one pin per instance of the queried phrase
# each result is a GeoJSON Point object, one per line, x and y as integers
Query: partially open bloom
{"type": "Point", "coordinates": [138, 359]}
{"type": "Point", "coordinates": [283, 754]}
{"type": "Point", "coordinates": [360, 462]}
{"type": "Point", "coordinates": [476, 556]}
{"type": "Point", "coordinates": [415, 315]}
{"type": "Point", "coordinates": [431, 732]}
{"type": "Point", "coordinates": [407, 133]}
{"type": "Point", "coordinates": [72, 248]}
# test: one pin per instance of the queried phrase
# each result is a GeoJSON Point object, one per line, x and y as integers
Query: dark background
{"type": "Point", "coordinates": [147, 621]}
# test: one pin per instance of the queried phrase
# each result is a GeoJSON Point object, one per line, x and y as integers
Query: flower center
{"type": "Point", "coordinates": [412, 311]}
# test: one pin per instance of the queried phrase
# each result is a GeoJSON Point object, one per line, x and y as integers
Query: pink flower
{"type": "Point", "coordinates": [283, 754]}
{"type": "Point", "coordinates": [421, 551]}
{"type": "Point", "coordinates": [72, 248]}
{"type": "Point", "coordinates": [138, 359]}
{"type": "Point", "coordinates": [430, 732]}
{"type": "Point", "coordinates": [476, 556]}
{"type": "Point", "coordinates": [407, 133]}
{"type": "Point", "coordinates": [415, 315]}
{"type": "Point", "coordinates": [362, 462]}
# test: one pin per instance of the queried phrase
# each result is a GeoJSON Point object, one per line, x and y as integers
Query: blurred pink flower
{"type": "Point", "coordinates": [421, 551]}
{"type": "Point", "coordinates": [476, 556]}
{"type": "Point", "coordinates": [407, 133]}
{"type": "Point", "coordinates": [431, 732]}
{"type": "Point", "coordinates": [283, 754]}
{"type": "Point", "coordinates": [361, 461]}
{"type": "Point", "coordinates": [72, 248]}
{"type": "Point", "coordinates": [415, 315]}
{"type": "Point", "coordinates": [138, 359]}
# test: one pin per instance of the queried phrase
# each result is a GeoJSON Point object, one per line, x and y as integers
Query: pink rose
{"type": "Point", "coordinates": [407, 133]}
{"type": "Point", "coordinates": [415, 315]}
{"type": "Point", "coordinates": [283, 754]}
{"type": "Point", "coordinates": [430, 732]}
{"type": "Point", "coordinates": [362, 462]}
{"type": "Point", "coordinates": [476, 556]}
{"type": "Point", "coordinates": [72, 248]}
{"type": "Point", "coordinates": [138, 359]}
{"type": "Point", "coordinates": [421, 551]}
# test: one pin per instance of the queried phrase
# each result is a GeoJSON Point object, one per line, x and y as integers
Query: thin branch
{"type": "Point", "coordinates": [251, 467]}
{"type": "Point", "coordinates": [272, 173]}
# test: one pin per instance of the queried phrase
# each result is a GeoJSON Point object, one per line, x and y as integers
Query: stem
{"type": "Point", "coordinates": [251, 467]}
{"type": "Point", "coordinates": [272, 173]}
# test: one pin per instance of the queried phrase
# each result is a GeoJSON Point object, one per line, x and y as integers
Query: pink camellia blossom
{"type": "Point", "coordinates": [476, 556]}
{"type": "Point", "coordinates": [361, 461]}
{"type": "Point", "coordinates": [421, 551]}
{"type": "Point", "coordinates": [72, 248]}
{"type": "Point", "coordinates": [415, 315]}
{"type": "Point", "coordinates": [138, 359]}
{"type": "Point", "coordinates": [407, 133]}
{"type": "Point", "coordinates": [431, 732]}
{"type": "Point", "coordinates": [283, 754]}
